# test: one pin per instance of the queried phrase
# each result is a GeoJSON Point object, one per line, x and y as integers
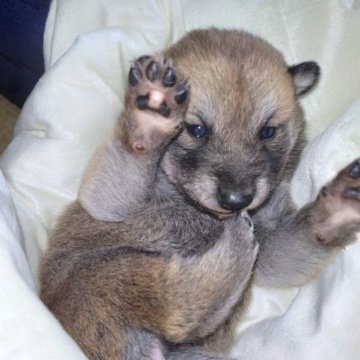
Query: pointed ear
{"type": "Point", "coordinates": [305, 76]}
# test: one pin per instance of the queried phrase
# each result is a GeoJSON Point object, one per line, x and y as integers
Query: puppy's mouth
{"type": "Point", "coordinates": [203, 195]}
{"type": "Point", "coordinates": [208, 204]}
{"type": "Point", "coordinates": [220, 214]}
{"type": "Point", "coordinates": [223, 215]}
{"type": "Point", "coordinates": [213, 210]}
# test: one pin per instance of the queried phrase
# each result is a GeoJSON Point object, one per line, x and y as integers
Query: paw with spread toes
{"type": "Point", "coordinates": [159, 97]}
{"type": "Point", "coordinates": [340, 199]}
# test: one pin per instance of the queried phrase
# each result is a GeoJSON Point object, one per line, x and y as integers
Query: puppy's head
{"type": "Point", "coordinates": [244, 127]}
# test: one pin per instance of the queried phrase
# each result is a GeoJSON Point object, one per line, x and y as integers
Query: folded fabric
{"type": "Point", "coordinates": [28, 330]}
{"type": "Point", "coordinates": [73, 109]}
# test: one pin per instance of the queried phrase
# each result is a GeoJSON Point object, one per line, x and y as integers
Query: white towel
{"type": "Point", "coordinates": [28, 331]}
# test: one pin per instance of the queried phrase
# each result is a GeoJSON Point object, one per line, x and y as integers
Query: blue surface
{"type": "Point", "coordinates": [22, 25]}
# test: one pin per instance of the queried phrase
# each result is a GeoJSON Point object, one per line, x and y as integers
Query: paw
{"type": "Point", "coordinates": [352, 179]}
{"type": "Point", "coordinates": [341, 201]}
{"type": "Point", "coordinates": [240, 229]}
{"type": "Point", "coordinates": [160, 95]}
{"type": "Point", "coordinates": [346, 186]}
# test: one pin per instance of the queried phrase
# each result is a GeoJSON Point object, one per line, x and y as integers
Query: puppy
{"type": "Point", "coordinates": [187, 204]}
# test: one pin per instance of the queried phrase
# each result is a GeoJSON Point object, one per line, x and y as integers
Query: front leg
{"type": "Point", "coordinates": [300, 244]}
{"type": "Point", "coordinates": [119, 182]}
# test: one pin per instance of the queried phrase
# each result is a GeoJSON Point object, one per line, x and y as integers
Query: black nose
{"type": "Point", "coordinates": [233, 199]}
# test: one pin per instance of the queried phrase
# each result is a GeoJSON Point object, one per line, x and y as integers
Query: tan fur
{"type": "Point", "coordinates": [149, 260]}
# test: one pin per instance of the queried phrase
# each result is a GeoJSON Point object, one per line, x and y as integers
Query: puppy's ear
{"type": "Point", "coordinates": [305, 76]}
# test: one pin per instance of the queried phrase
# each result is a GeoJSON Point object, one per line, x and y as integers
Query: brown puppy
{"type": "Point", "coordinates": [188, 203]}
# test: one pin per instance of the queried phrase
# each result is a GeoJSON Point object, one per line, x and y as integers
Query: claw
{"type": "Point", "coordinates": [134, 75]}
{"type": "Point", "coordinates": [181, 96]}
{"type": "Point", "coordinates": [354, 171]}
{"type": "Point", "coordinates": [169, 77]}
{"type": "Point", "coordinates": [152, 71]}
{"type": "Point", "coordinates": [352, 192]}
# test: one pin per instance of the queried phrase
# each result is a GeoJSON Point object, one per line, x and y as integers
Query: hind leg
{"type": "Point", "coordinates": [183, 299]}
{"type": "Point", "coordinates": [186, 352]}
{"type": "Point", "coordinates": [143, 345]}
{"type": "Point", "coordinates": [101, 336]}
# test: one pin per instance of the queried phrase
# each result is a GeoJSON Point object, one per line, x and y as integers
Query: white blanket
{"type": "Point", "coordinates": [72, 111]}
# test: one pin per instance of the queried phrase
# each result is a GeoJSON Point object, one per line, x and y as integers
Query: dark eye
{"type": "Point", "coordinates": [267, 132]}
{"type": "Point", "coordinates": [196, 131]}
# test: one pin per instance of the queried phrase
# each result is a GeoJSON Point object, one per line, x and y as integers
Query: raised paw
{"type": "Point", "coordinates": [158, 97]}
{"type": "Point", "coordinates": [159, 87]}
{"type": "Point", "coordinates": [340, 199]}
{"type": "Point", "coordinates": [157, 100]}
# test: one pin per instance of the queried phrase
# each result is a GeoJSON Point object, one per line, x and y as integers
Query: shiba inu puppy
{"type": "Point", "coordinates": [187, 204]}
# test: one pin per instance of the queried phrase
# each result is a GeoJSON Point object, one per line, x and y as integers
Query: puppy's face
{"type": "Point", "coordinates": [243, 124]}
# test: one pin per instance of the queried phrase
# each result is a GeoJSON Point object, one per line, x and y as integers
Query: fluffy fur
{"type": "Point", "coordinates": [173, 225]}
